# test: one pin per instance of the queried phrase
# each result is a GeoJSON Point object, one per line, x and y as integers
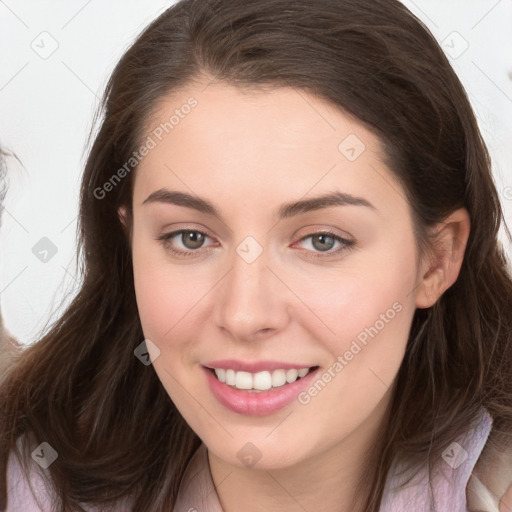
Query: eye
{"type": "Point", "coordinates": [190, 240]}
{"type": "Point", "coordinates": [322, 243]}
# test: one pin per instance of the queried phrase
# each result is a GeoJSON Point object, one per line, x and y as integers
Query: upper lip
{"type": "Point", "coordinates": [254, 366]}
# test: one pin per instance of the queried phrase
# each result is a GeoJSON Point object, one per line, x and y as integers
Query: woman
{"type": "Point", "coordinates": [289, 211]}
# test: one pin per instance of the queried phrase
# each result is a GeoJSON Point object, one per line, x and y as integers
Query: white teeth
{"type": "Point", "coordinates": [230, 377]}
{"type": "Point", "coordinates": [243, 380]}
{"type": "Point", "coordinates": [260, 381]}
{"type": "Point", "coordinates": [278, 378]}
{"type": "Point", "coordinates": [291, 375]}
{"type": "Point", "coordinates": [221, 374]}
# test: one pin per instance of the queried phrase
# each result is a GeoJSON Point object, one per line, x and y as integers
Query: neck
{"type": "Point", "coordinates": [325, 482]}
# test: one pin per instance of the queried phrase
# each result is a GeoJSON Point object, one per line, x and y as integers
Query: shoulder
{"type": "Point", "coordinates": [26, 489]}
{"type": "Point", "coordinates": [468, 476]}
{"type": "Point", "coordinates": [490, 484]}
{"type": "Point", "coordinates": [30, 489]}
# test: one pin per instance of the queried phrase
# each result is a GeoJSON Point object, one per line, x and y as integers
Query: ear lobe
{"type": "Point", "coordinates": [121, 211]}
{"type": "Point", "coordinates": [449, 246]}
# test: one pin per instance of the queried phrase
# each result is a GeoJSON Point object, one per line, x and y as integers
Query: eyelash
{"type": "Point", "coordinates": [346, 244]}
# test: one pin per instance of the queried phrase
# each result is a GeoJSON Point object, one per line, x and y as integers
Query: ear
{"type": "Point", "coordinates": [126, 221]}
{"type": "Point", "coordinates": [449, 245]}
{"type": "Point", "coordinates": [121, 211]}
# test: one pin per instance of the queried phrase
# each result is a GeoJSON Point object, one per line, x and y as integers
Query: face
{"type": "Point", "coordinates": [240, 266]}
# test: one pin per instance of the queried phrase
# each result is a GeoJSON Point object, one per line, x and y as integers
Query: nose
{"type": "Point", "coordinates": [251, 302]}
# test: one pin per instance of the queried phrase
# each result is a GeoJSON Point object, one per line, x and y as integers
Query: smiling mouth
{"type": "Point", "coordinates": [260, 381]}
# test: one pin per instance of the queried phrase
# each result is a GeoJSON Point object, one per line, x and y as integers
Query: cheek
{"type": "Point", "coordinates": [366, 309]}
{"type": "Point", "coordinates": [158, 309]}
{"type": "Point", "coordinates": [353, 298]}
{"type": "Point", "coordinates": [168, 300]}
{"type": "Point", "coordinates": [149, 291]}
{"type": "Point", "coordinates": [161, 302]}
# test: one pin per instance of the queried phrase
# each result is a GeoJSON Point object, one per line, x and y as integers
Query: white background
{"type": "Point", "coordinates": [47, 107]}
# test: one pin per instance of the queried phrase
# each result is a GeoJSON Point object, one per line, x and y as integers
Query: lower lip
{"type": "Point", "coordinates": [257, 404]}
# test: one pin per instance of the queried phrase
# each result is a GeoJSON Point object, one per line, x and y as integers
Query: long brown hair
{"type": "Point", "coordinates": [81, 389]}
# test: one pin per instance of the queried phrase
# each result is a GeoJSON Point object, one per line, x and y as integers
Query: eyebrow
{"type": "Point", "coordinates": [286, 210]}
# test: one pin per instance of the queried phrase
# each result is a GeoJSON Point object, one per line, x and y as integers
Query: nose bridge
{"type": "Point", "coordinates": [250, 300]}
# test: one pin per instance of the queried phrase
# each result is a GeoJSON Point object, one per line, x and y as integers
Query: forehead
{"type": "Point", "coordinates": [273, 116]}
{"type": "Point", "coordinates": [217, 136]}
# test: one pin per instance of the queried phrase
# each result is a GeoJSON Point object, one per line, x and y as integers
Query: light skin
{"type": "Point", "coordinates": [248, 153]}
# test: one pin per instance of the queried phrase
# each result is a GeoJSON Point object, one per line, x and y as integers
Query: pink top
{"type": "Point", "coordinates": [197, 492]}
